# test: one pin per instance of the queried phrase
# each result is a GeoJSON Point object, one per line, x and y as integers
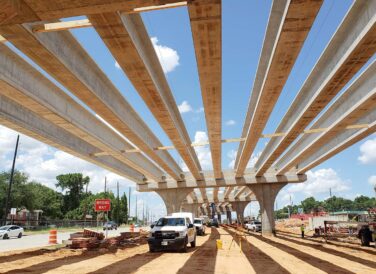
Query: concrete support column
{"type": "Point", "coordinates": [239, 207]}
{"type": "Point", "coordinates": [266, 194]}
{"type": "Point", "coordinates": [173, 198]}
{"type": "Point", "coordinates": [219, 216]}
{"type": "Point", "coordinates": [193, 208]}
{"type": "Point", "coordinates": [228, 214]}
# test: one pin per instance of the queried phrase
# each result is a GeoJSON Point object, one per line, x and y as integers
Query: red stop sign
{"type": "Point", "coordinates": [102, 205]}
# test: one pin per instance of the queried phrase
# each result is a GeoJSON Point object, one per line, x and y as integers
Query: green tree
{"type": "Point", "coordinates": [337, 204]}
{"type": "Point", "coordinates": [19, 196]}
{"type": "Point", "coordinates": [363, 203]}
{"type": "Point", "coordinates": [46, 199]}
{"type": "Point", "coordinates": [310, 204]}
{"type": "Point", "coordinates": [73, 184]}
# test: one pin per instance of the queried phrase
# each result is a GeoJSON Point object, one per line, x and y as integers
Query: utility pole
{"type": "Point", "coordinates": [330, 192]}
{"type": "Point", "coordinates": [118, 204]}
{"type": "Point", "coordinates": [105, 186]}
{"type": "Point", "coordinates": [129, 203]}
{"type": "Point", "coordinates": [136, 211]}
{"type": "Point", "coordinates": [143, 212]}
{"type": "Point", "coordinates": [7, 201]}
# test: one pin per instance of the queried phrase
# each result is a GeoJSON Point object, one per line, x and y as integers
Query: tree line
{"type": "Point", "coordinates": [332, 204]}
{"type": "Point", "coordinates": [71, 199]}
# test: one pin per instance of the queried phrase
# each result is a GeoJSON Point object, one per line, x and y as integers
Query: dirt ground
{"type": "Point", "coordinates": [249, 253]}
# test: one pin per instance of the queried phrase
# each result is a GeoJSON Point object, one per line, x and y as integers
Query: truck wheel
{"type": "Point", "coordinates": [364, 239]}
{"type": "Point", "coordinates": [19, 235]}
{"type": "Point", "coordinates": [5, 237]}
{"type": "Point", "coordinates": [193, 244]}
{"type": "Point", "coordinates": [185, 247]}
{"type": "Point", "coordinates": [151, 249]}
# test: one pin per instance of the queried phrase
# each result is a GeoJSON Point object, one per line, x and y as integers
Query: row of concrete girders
{"type": "Point", "coordinates": [40, 46]}
{"type": "Point", "coordinates": [291, 9]}
{"type": "Point", "coordinates": [352, 45]}
{"type": "Point", "coordinates": [133, 36]}
{"type": "Point", "coordinates": [288, 26]}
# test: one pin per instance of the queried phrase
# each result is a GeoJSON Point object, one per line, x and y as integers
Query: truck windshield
{"type": "Point", "coordinates": [171, 222]}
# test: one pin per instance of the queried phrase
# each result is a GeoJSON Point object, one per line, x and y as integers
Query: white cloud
{"type": "Point", "coordinates": [43, 163]}
{"type": "Point", "coordinates": [168, 57]}
{"type": "Point", "coordinates": [232, 155]}
{"type": "Point", "coordinates": [368, 152]}
{"type": "Point", "coordinates": [251, 163]}
{"type": "Point", "coordinates": [321, 181]}
{"type": "Point", "coordinates": [185, 107]}
{"type": "Point", "coordinates": [372, 180]}
{"type": "Point", "coordinates": [201, 109]}
{"type": "Point", "coordinates": [203, 152]}
{"type": "Point", "coordinates": [230, 123]}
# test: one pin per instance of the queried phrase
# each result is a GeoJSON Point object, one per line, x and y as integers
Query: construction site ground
{"type": "Point", "coordinates": [249, 253]}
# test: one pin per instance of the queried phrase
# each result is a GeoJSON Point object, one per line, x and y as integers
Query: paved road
{"type": "Point", "coordinates": [41, 240]}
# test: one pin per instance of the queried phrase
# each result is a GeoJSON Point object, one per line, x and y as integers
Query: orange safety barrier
{"type": "Point", "coordinates": [52, 239]}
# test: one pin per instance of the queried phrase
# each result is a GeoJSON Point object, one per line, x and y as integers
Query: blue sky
{"type": "Point", "coordinates": [243, 24]}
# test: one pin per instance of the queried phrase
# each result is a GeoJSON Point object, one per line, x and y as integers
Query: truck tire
{"type": "Point", "coordinates": [5, 237]}
{"type": "Point", "coordinates": [185, 247]}
{"type": "Point", "coordinates": [193, 243]}
{"type": "Point", "coordinates": [151, 249]}
{"type": "Point", "coordinates": [365, 237]}
{"type": "Point", "coordinates": [19, 235]}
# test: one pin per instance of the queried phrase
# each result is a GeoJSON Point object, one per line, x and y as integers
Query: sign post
{"type": "Point", "coordinates": [105, 206]}
{"type": "Point", "coordinates": [13, 212]}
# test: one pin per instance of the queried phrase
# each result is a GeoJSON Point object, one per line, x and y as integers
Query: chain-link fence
{"type": "Point", "coordinates": [31, 224]}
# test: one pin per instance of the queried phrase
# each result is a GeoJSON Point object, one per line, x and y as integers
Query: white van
{"type": "Point", "coordinates": [172, 232]}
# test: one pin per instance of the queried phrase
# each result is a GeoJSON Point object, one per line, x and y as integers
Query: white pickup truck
{"type": "Point", "coordinates": [253, 226]}
{"type": "Point", "coordinates": [172, 232]}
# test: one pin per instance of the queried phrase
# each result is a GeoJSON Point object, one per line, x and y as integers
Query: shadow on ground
{"type": "Point", "coordinates": [260, 261]}
{"type": "Point", "coordinates": [314, 261]}
{"type": "Point", "coordinates": [204, 258]}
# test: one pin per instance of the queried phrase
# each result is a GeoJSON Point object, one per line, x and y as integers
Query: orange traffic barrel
{"type": "Point", "coordinates": [53, 237]}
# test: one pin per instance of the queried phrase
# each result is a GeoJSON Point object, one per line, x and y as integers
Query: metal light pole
{"type": "Point", "coordinates": [7, 201]}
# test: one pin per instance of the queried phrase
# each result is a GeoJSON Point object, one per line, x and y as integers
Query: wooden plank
{"type": "Point", "coordinates": [59, 26]}
{"type": "Point", "coordinates": [206, 24]}
{"type": "Point", "coordinates": [272, 135]}
{"type": "Point", "coordinates": [159, 7]}
{"type": "Point", "coordinates": [27, 11]}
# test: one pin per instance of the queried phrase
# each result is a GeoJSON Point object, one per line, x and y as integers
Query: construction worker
{"type": "Point", "coordinates": [302, 230]}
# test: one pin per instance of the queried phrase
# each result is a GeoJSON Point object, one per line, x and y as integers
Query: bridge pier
{"type": "Point", "coordinates": [228, 215]}
{"type": "Point", "coordinates": [173, 198]}
{"type": "Point", "coordinates": [266, 194]}
{"type": "Point", "coordinates": [239, 208]}
{"type": "Point", "coordinates": [193, 208]}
